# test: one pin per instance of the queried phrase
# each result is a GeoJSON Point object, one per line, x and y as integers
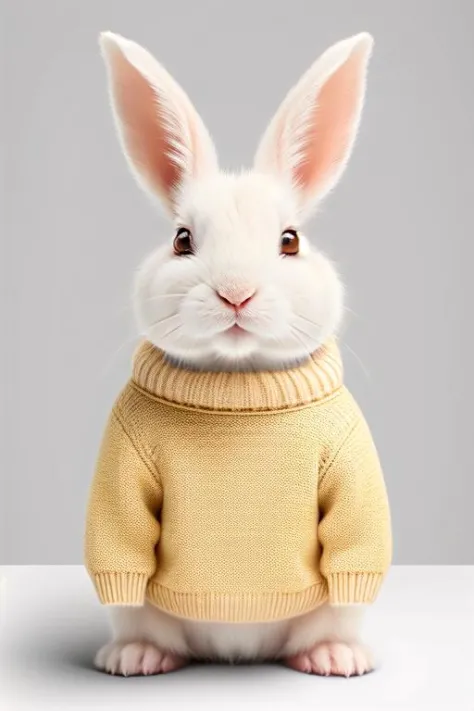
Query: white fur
{"type": "Point", "coordinates": [236, 221]}
{"type": "Point", "coordinates": [188, 147]}
{"type": "Point", "coordinates": [285, 145]}
{"type": "Point", "coordinates": [185, 639]}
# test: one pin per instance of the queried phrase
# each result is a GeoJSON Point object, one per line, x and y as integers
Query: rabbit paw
{"type": "Point", "coordinates": [136, 658]}
{"type": "Point", "coordinates": [333, 659]}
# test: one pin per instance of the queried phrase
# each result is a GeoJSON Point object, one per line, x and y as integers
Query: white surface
{"type": "Point", "coordinates": [422, 626]}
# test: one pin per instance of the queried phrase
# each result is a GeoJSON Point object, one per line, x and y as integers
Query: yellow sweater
{"type": "Point", "coordinates": [237, 496]}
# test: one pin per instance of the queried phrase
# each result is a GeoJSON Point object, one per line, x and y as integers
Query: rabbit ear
{"type": "Point", "coordinates": [162, 135]}
{"type": "Point", "coordinates": [310, 138]}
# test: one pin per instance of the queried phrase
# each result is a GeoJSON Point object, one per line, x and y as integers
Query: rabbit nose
{"type": "Point", "coordinates": [237, 299]}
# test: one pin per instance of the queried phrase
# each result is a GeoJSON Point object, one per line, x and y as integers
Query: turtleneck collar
{"type": "Point", "coordinates": [264, 390]}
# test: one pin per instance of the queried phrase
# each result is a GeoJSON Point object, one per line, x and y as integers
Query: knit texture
{"type": "Point", "coordinates": [237, 497]}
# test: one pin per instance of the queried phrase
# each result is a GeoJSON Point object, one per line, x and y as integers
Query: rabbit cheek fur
{"type": "Point", "coordinates": [296, 304]}
{"type": "Point", "coordinates": [236, 224]}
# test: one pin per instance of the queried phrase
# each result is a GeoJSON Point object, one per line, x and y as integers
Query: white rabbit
{"type": "Point", "coordinates": [281, 310]}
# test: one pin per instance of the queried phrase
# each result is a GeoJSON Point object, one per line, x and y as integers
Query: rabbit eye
{"type": "Point", "coordinates": [183, 242]}
{"type": "Point", "coordinates": [290, 243]}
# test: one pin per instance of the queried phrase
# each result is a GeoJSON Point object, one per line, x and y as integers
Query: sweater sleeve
{"type": "Point", "coordinates": [355, 527]}
{"type": "Point", "coordinates": [122, 529]}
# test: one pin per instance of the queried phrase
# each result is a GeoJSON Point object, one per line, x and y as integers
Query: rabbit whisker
{"type": "Point", "coordinates": [348, 308]}
{"type": "Point", "coordinates": [358, 359]}
{"type": "Point", "coordinates": [116, 352]}
{"type": "Point", "coordinates": [171, 331]}
{"type": "Point", "coordinates": [313, 323]}
{"type": "Point", "coordinates": [165, 319]}
{"type": "Point", "coordinates": [298, 338]}
{"type": "Point", "coordinates": [165, 296]}
{"type": "Point", "coordinates": [304, 333]}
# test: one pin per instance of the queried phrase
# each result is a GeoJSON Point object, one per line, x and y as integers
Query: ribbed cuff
{"type": "Point", "coordinates": [353, 588]}
{"type": "Point", "coordinates": [121, 588]}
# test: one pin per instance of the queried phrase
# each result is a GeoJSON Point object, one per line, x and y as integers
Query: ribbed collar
{"type": "Point", "coordinates": [263, 390]}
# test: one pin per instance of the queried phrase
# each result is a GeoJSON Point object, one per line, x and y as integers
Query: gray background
{"type": "Point", "coordinates": [75, 226]}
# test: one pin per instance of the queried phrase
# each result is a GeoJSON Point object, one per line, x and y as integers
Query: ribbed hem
{"type": "Point", "coordinates": [121, 588]}
{"type": "Point", "coordinates": [350, 588]}
{"type": "Point", "coordinates": [239, 607]}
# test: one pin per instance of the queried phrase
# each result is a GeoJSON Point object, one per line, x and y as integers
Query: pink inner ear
{"type": "Point", "coordinates": [333, 125]}
{"type": "Point", "coordinates": [147, 142]}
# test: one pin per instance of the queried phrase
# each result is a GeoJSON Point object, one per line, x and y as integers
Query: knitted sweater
{"type": "Point", "coordinates": [237, 496]}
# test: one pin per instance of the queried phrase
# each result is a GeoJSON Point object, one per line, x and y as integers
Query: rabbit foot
{"type": "Point", "coordinates": [333, 659]}
{"type": "Point", "coordinates": [136, 659]}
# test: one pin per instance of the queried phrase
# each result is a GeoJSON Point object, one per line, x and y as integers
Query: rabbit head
{"type": "Point", "coordinates": [237, 284]}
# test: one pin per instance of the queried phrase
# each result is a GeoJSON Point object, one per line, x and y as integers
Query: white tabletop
{"type": "Point", "coordinates": [422, 626]}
